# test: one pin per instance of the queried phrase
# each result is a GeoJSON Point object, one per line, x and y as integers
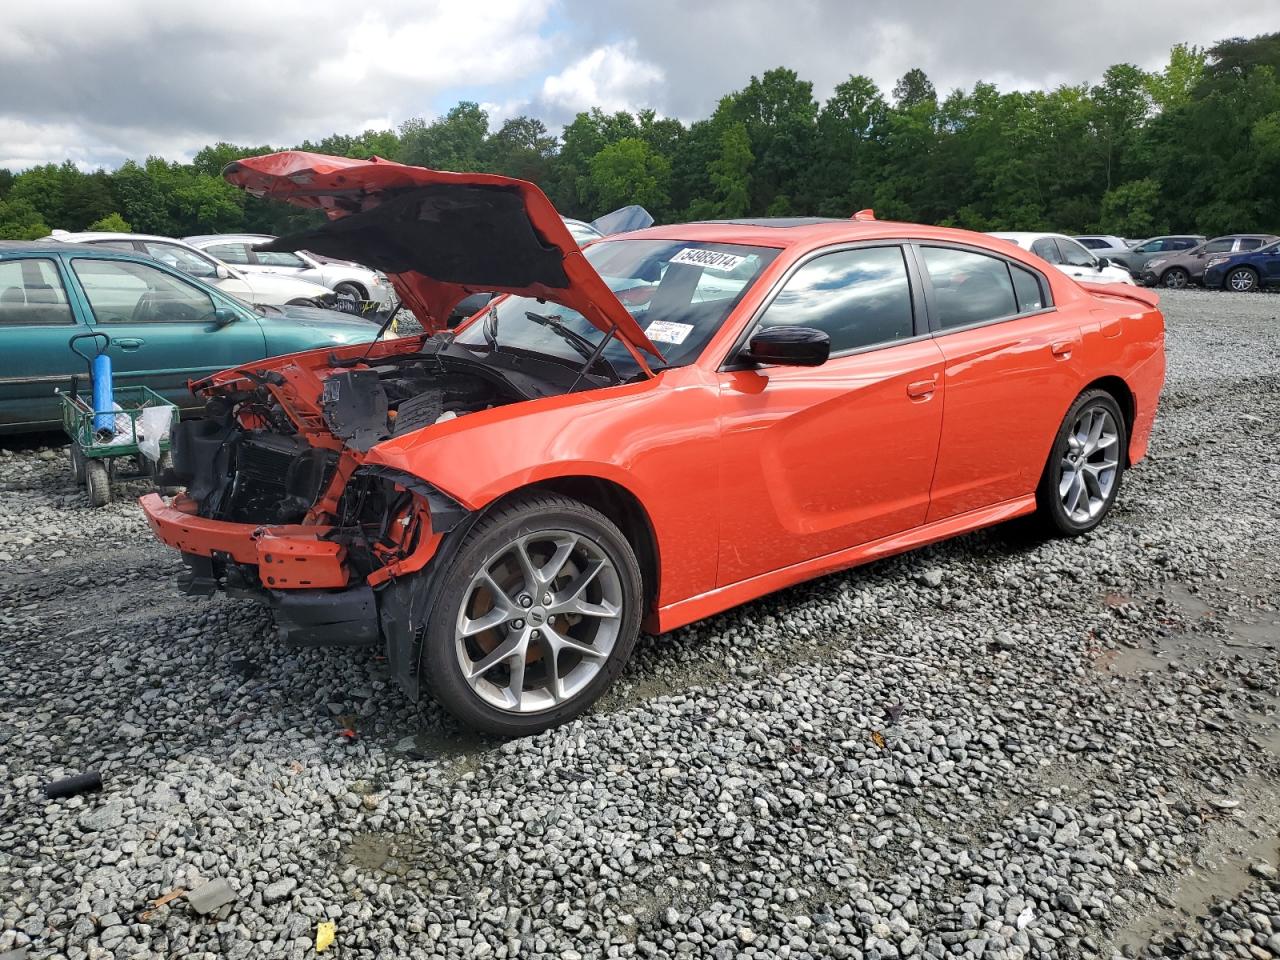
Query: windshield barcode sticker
{"type": "Point", "coordinates": [707, 258]}
{"type": "Point", "coordinates": [667, 331]}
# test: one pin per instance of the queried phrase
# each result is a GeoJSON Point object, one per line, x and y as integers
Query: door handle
{"type": "Point", "coordinates": [128, 343]}
{"type": "Point", "coordinates": [922, 389]}
{"type": "Point", "coordinates": [1062, 349]}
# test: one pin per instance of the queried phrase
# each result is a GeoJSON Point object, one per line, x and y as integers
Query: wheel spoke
{"type": "Point", "coordinates": [552, 568]}
{"type": "Point", "coordinates": [508, 649]}
{"type": "Point", "coordinates": [559, 643]}
{"type": "Point", "coordinates": [566, 600]}
{"type": "Point", "coordinates": [530, 573]}
{"type": "Point", "coordinates": [500, 597]}
{"type": "Point", "coordinates": [1076, 492]}
{"type": "Point", "coordinates": [1097, 421]}
{"type": "Point", "coordinates": [494, 618]}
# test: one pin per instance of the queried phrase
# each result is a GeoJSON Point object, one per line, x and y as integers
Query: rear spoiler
{"type": "Point", "coordinates": [1124, 291]}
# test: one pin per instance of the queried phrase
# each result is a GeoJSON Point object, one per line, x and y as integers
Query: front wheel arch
{"type": "Point", "coordinates": [617, 503]}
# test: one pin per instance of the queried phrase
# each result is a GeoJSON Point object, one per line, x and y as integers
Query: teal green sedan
{"type": "Point", "coordinates": [166, 328]}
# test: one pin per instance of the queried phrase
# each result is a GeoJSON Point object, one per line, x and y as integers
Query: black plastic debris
{"type": "Point", "coordinates": [88, 782]}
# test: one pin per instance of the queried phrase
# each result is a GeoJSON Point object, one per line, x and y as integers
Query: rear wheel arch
{"type": "Point", "coordinates": [1120, 392]}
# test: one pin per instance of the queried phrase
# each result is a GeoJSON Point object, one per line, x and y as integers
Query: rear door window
{"type": "Point", "coordinates": [32, 294]}
{"type": "Point", "coordinates": [1074, 255]}
{"type": "Point", "coordinates": [1046, 248]}
{"type": "Point", "coordinates": [271, 258]}
{"type": "Point", "coordinates": [969, 287]}
{"type": "Point", "coordinates": [1250, 243]}
{"type": "Point", "coordinates": [229, 252]}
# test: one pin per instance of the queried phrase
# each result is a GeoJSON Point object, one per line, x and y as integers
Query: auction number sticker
{"type": "Point", "coordinates": [667, 331]}
{"type": "Point", "coordinates": [696, 257]}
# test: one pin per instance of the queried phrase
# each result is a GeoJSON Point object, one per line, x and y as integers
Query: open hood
{"type": "Point", "coordinates": [439, 236]}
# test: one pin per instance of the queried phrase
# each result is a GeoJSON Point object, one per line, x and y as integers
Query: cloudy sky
{"type": "Point", "coordinates": [104, 81]}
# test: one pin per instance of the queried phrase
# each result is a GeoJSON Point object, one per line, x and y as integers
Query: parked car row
{"type": "Point", "coordinates": [231, 264]}
{"type": "Point", "coordinates": [1243, 262]}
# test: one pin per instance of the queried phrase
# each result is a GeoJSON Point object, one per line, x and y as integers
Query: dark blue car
{"type": "Point", "coordinates": [1245, 272]}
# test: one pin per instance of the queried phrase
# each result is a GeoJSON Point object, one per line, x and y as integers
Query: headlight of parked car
{"type": "Point", "coordinates": [1154, 263]}
{"type": "Point", "coordinates": [1214, 261]}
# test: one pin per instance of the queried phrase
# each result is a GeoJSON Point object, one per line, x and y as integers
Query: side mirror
{"type": "Point", "coordinates": [1104, 262]}
{"type": "Point", "coordinates": [223, 316]}
{"type": "Point", "coordinates": [787, 346]}
{"type": "Point", "coordinates": [221, 272]}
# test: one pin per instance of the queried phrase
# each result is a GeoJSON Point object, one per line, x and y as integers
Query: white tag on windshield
{"type": "Point", "coordinates": [667, 331]}
{"type": "Point", "coordinates": [707, 258]}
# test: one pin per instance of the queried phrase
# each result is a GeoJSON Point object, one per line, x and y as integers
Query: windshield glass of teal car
{"type": "Point", "coordinates": [680, 292]}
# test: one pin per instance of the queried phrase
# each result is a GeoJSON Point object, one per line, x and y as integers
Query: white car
{"type": "Point", "coordinates": [1069, 257]}
{"type": "Point", "coordinates": [342, 277]}
{"type": "Point", "coordinates": [1104, 244]}
{"type": "Point", "coordinates": [264, 289]}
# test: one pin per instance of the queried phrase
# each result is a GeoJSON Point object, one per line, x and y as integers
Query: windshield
{"type": "Point", "coordinates": [679, 291]}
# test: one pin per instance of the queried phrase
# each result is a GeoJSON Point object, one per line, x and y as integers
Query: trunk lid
{"type": "Point", "coordinates": [439, 236]}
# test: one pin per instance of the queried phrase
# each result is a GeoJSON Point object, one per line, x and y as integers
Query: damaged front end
{"type": "Point", "coordinates": [286, 502]}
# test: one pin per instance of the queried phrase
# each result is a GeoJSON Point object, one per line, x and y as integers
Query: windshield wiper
{"type": "Point", "coordinates": [589, 351]}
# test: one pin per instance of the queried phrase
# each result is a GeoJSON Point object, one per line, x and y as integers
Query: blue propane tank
{"type": "Point", "coordinates": [104, 418]}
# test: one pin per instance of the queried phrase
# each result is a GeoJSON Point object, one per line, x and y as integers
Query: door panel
{"type": "Point", "coordinates": [161, 327]}
{"type": "Point", "coordinates": [1007, 386]}
{"type": "Point", "coordinates": [36, 321]}
{"type": "Point", "coordinates": [822, 458]}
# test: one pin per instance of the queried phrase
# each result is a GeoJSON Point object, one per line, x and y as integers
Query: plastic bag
{"type": "Point", "coordinates": [153, 427]}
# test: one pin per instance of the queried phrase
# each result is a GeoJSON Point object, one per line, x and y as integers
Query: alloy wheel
{"type": "Point", "coordinates": [1089, 464]}
{"type": "Point", "coordinates": [538, 621]}
{"type": "Point", "coordinates": [1176, 278]}
{"type": "Point", "coordinates": [1241, 281]}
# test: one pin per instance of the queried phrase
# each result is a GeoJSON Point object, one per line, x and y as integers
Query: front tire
{"type": "Point", "coordinates": [97, 482]}
{"type": "Point", "coordinates": [1086, 463]}
{"type": "Point", "coordinates": [348, 289]}
{"type": "Point", "coordinates": [1241, 280]}
{"type": "Point", "coordinates": [535, 618]}
{"type": "Point", "coordinates": [1175, 278]}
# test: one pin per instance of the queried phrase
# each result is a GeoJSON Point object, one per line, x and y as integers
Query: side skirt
{"type": "Point", "coordinates": [722, 598]}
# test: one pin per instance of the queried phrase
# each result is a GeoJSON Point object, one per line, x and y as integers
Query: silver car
{"type": "Point", "coordinates": [343, 278]}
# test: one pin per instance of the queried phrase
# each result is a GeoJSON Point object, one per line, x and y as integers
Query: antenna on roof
{"type": "Point", "coordinates": [867, 214]}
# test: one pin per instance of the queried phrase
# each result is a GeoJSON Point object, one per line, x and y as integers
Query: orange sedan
{"type": "Point", "coordinates": [641, 433]}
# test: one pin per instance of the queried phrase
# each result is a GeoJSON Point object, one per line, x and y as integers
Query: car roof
{"type": "Point", "coordinates": [86, 235]}
{"type": "Point", "coordinates": [784, 232]}
{"type": "Point", "coordinates": [1245, 236]}
{"type": "Point", "coordinates": [45, 247]}
{"type": "Point", "coordinates": [1016, 235]}
{"type": "Point", "coordinates": [228, 237]}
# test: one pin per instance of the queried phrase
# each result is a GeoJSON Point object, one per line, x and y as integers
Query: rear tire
{"type": "Point", "coordinates": [97, 483]}
{"type": "Point", "coordinates": [1175, 278]}
{"type": "Point", "coordinates": [77, 464]}
{"type": "Point", "coordinates": [535, 618]}
{"type": "Point", "coordinates": [1081, 478]}
{"type": "Point", "coordinates": [1241, 280]}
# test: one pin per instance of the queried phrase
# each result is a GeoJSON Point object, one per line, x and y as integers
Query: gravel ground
{"type": "Point", "coordinates": [991, 748]}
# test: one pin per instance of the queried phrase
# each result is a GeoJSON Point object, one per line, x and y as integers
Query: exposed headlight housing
{"type": "Point", "coordinates": [1214, 261]}
{"type": "Point", "coordinates": [1154, 263]}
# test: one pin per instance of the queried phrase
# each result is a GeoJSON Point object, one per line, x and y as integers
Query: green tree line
{"type": "Point", "coordinates": [1193, 146]}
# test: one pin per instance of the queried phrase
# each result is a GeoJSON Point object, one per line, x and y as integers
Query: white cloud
{"type": "Point", "coordinates": [611, 77]}
{"type": "Point", "coordinates": [153, 76]}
